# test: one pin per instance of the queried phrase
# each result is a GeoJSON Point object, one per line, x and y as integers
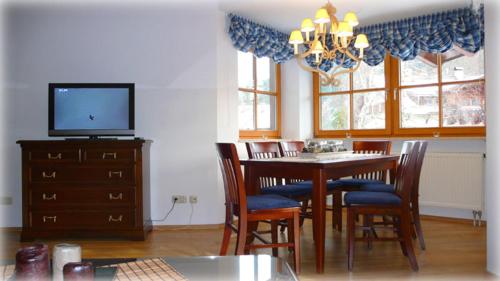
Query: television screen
{"type": "Point", "coordinates": [91, 109]}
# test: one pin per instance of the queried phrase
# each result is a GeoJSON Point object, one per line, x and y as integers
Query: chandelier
{"type": "Point", "coordinates": [341, 35]}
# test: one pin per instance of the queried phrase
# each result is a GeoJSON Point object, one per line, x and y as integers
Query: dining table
{"type": "Point", "coordinates": [319, 170]}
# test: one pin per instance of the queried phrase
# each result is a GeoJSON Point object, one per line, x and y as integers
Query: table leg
{"type": "Point", "coordinates": [319, 220]}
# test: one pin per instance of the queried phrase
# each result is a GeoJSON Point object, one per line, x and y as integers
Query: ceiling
{"type": "Point", "coordinates": [286, 15]}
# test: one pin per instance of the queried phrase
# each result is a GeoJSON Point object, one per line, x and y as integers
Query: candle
{"type": "Point", "coordinates": [63, 254]}
{"type": "Point", "coordinates": [32, 263]}
{"type": "Point", "coordinates": [78, 271]}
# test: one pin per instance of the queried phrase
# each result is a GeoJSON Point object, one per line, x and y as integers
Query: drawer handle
{"type": "Point", "coordinates": [49, 219]}
{"type": "Point", "coordinates": [49, 176]}
{"type": "Point", "coordinates": [112, 219]}
{"type": "Point", "coordinates": [112, 155]}
{"type": "Point", "coordinates": [118, 197]}
{"type": "Point", "coordinates": [54, 157]}
{"type": "Point", "coordinates": [48, 198]}
{"type": "Point", "coordinates": [111, 174]}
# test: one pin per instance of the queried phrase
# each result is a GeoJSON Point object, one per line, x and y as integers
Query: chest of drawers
{"type": "Point", "coordinates": [85, 188]}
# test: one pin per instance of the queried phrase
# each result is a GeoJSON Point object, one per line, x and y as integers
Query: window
{"type": "Point", "coordinates": [432, 95]}
{"type": "Point", "coordinates": [357, 106]}
{"type": "Point", "coordinates": [259, 97]}
{"type": "Point", "coordinates": [441, 95]}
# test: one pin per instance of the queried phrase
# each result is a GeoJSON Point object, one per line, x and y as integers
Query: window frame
{"type": "Point", "coordinates": [393, 109]}
{"type": "Point", "coordinates": [259, 133]}
{"type": "Point", "coordinates": [351, 132]}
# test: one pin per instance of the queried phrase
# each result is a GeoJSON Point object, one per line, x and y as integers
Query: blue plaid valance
{"type": "Point", "coordinates": [405, 39]}
{"type": "Point", "coordinates": [261, 40]}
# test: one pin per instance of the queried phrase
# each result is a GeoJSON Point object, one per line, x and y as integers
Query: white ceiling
{"type": "Point", "coordinates": [286, 15]}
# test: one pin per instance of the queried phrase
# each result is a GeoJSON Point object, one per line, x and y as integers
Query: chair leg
{"type": "Point", "coordinates": [351, 225]}
{"type": "Point", "coordinates": [303, 211]}
{"type": "Point", "coordinates": [337, 210]}
{"type": "Point", "coordinates": [290, 231]}
{"type": "Point", "coordinates": [368, 224]}
{"type": "Point", "coordinates": [397, 225]}
{"type": "Point", "coordinates": [274, 236]}
{"type": "Point", "coordinates": [408, 241]}
{"type": "Point", "coordinates": [227, 233]}
{"type": "Point", "coordinates": [418, 225]}
{"type": "Point", "coordinates": [296, 241]}
{"type": "Point", "coordinates": [241, 237]}
{"type": "Point", "coordinates": [252, 226]}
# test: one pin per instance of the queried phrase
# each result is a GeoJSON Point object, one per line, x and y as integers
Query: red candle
{"type": "Point", "coordinates": [32, 263]}
{"type": "Point", "coordinates": [78, 271]}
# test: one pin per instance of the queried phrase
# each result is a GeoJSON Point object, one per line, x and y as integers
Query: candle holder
{"type": "Point", "coordinates": [61, 255]}
{"type": "Point", "coordinates": [78, 271]}
{"type": "Point", "coordinates": [32, 263]}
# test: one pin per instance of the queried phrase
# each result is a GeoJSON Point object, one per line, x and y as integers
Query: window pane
{"type": "Point", "coordinates": [266, 74]}
{"type": "Point", "coordinates": [419, 107]}
{"type": "Point", "coordinates": [266, 112]}
{"type": "Point", "coordinates": [457, 67]}
{"type": "Point", "coordinates": [369, 77]}
{"type": "Point", "coordinates": [343, 86]}
{"type": "Point", "coordinates": [245, 111]}
{"type": "Point", "coordinates": [422, 70]}
{"type": "Point", "coordinates": [335, 112]}
{"type": "Point", "coordinates": [369, 110]}
{"type": "Point", "coordinates": [463, 105]}
{"type": "Point", "coordinates": [245, 70]}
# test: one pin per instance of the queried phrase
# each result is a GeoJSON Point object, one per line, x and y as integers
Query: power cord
{"type": "Point", "coordinates": [169, 211]}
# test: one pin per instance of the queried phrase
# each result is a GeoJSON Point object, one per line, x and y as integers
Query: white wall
{"type": "Point", "coordinates": [171, 58]}
{"type": "Point", "coordinates": [492, 10]}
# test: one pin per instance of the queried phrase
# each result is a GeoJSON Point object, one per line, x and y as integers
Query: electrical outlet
{"type": "Point", "coordinates": [193, 199]}
{"type": "Point", "coordinates": [179, 199]}
{"type": "Point", "coordinates": [5, 200]}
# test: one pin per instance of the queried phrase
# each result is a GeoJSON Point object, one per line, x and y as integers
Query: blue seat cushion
{"type": "Point", "coordinates": [378, 187]}
{"type": "Point", "coordinates": [269, 201]}
{"type": "Point", "coordinates": [371, 198]}
{"type": "Point", "coordinates": [330, 185]}
{"type": "Point", "coordinates": [358, 182]}
{"type": "Point", "coordinates": [289, 190]}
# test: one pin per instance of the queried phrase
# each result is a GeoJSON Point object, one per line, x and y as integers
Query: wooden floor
{"type": "Point", "coordinates": [455, 251]}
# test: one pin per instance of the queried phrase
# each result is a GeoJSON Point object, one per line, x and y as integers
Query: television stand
{"type": "Point", "coordinates": [85, 188]}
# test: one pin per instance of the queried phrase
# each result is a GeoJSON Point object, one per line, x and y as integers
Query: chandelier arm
{"type": "Point", "coordinates": [350, 55]}
{"type": "Point", "coordinates": [348, 70]}
{"type": "Point", "coordinates": [308, 68]}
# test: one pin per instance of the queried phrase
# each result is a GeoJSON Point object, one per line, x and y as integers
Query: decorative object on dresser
{"type": "Point", "coordinates": [85, 188]}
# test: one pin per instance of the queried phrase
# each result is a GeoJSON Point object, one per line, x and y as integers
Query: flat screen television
{"type": "Point", "coordinates": [91, 109]}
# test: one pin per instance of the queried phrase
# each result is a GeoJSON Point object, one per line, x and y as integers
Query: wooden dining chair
{"type": "Point", "coordinates": [342, 185]}
{"type": "Point", "coordinates": [415, 209]}
{"type": "Point", "coordinates": [255, 208]}
{"type": "Point", "coordinates": [292, 189]}
{"type": "Point", "coordinates": [396, 204]}
{"type": "Point", "coordinates": [291, 148]}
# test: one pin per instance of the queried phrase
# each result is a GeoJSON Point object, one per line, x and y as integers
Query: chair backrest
{"type": "Point", "coordinates": [405, 174]}
{"type": "Point", "coordinates": [418, 168]}
{"type": "Point", "coordinates": [264, 150]}
{"type": "Point", "coordinates": [372, 147]}
{"type": "Point", "coordinates": [291, 148]}
{"type": "Point", "coordinates": [234, 187]}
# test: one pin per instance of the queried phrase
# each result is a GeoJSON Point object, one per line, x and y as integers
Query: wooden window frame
{"type": "Point", "coordinates": [258, 134]}
{"type": "Point", "coordinates": [393, 94]}
{"type": "Point", "coordinates": [351, 92]}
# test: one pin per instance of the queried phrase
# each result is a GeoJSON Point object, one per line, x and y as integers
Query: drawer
{"type": "Point", "coordinates": [70, 196]}
{"type": "Point", "coordinates": [111, 155]}
{"type": "Point", "coordinates": [109, 219]}
{"type": "Point", "coordinates": [79, 174]}
{"type": "Point", "coordinates": [54, 155]}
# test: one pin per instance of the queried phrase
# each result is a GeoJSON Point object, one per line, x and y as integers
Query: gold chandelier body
{"type": "Point", "coordinates": [341, 34]}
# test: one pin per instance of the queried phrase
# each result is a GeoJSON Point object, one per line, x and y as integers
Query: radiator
{"type": "Point", "coordinates": [453, 180]}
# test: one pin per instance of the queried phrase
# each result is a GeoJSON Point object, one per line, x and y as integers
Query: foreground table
{"type": "Point", "coordinates": [319, 171]}
{"type": "Point", "coordinates": [251, 267]}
